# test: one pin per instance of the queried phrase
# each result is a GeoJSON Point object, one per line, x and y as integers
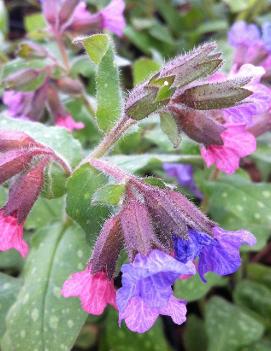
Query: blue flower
{"type": "Point", "coordinates": [146, 290]}
{"type": "Point", "coordinates": [184, 176]}
{"type": "Point", "coordinates": [219, 254]}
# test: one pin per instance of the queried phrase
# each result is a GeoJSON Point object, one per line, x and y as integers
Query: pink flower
{"type": "Point", "coordinates": [11, 235]}
{"type": "Point", "coordinates": [82, 18]}
{"type": "Point", "coordinates": [94, 290]}
{"type": "Point", "coordinates": [238, 142]}
{"type": "Point", "coordinates": [69, 123]}
{"type": "Point", "coordinates": [112, 17]}
{"type": "Point", "coordinates": [18, 103]}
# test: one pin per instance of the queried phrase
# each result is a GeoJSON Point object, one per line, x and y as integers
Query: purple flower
{"type": "Point", "coordinates": [113, 18]}
{"type": "Point", "coordinates": [18, 103]}
{"type": "Point", "coordinates": [184, 176]}
{"type": "Point", "coordinates": [218, 254]}
{"type": "Point", "coordinates": [266, 35]}
{"type": "Point", "coordinates": [146, 290]}
{"type": "Point", "coordinates": [242, 33]}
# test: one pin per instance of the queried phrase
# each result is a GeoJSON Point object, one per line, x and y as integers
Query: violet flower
{"type": "Point", "coordinates": [218, 253]}
{"type": "Point", "coordinates": [184, 176]}
{"type": "Point", "coordinates": [146, 290]}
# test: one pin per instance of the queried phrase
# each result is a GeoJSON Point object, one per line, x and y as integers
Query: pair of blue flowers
{"type": "Point", "coordinates": [147, 283]}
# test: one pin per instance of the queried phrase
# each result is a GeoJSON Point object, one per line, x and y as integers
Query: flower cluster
{"type": "Point", "coordinates": [164, 236]}
{"type": "Point", "coordinates": [24, 162]}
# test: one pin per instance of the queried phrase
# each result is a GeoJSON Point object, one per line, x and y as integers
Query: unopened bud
{"type": "Point", "coordinates": [21, 78]}
{"type": "Point", "coordinates": [66, 10]}
{"type": "Point", "coordinates": [14, 140]}
{"type": "Point", "coordinates": [142, 102]}
{"type": "Point", "coordinates": [28, 49]}
{"type": "Point", "coordinates": [199, 126]}
{"type": "Point", "coordinates": [214, 95]}
{"type": "Point", "coordinates": [185, 69]}
{"type": "Point", "coordinates": [69, 85]}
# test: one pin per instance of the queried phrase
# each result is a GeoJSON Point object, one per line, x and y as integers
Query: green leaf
{"type": "Point", "coordinates": [195, 337]}
{"type": "Point", "coordinates": [236, 202]}
{"type": "Point", "coordinates": [3, 18]}
{"type": "Point", "coordinates": [134, 163]}
{"type": "Point", "coordinates": [193, 289]}
{"type": "Point", "coordinates": [34, 22]}
{"type": "Point", "coordinates": [259, 273]}
{"type": "Point", "coordinates": [143, 68]}
{"type": "Point", "coordinates": [80, 189]}
{"type": "Point", "coordinates": [255, 297]}
{"type": "Point", "coordinates": [9, 288]}
{"type": "Point", "coordinates": [122, 339]}
{"type": "Point", "coordinates": [100, 49]}
{"type": "Point", "coordinates": [229, 327]}
{"type": "Point", "coordinates": [262, 345]}
{"type": "Point", "coordinates": [238, 5]}
{"type": "Point", "coordinates": [170, 128]}
{"type": "Point", "coordinates": [109, 94]}
{"type": "Point", "coordinates": [56, 138]}
{"type": "Point", "coordinates": [155, 182]}
{"type": "Point", "coordinates": [109, 194]}
{"type": "Point", "coordinates": [96, 46]}
{"type": "Point", "coordinates": [41, 319]}
{"type": "Point", "coordinates": [54, 181]}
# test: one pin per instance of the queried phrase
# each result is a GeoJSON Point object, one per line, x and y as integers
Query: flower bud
{"type": "Point", "coordinates": [66, 10]}
{"type": "Point", "coordinates": [214, 96]}
{"type": "Point", "coordinates": [107, 247]}
{"type": "Point", "coordinates": [14, 140]}
{"type": "Point", "coordinates": [199, 126]}
{"type": "Point", "coordinates": [21, 78]}
{"type": "Point", "coordinates": [28, 49]}
{"type": "Point", "coordinates": [69, 85]}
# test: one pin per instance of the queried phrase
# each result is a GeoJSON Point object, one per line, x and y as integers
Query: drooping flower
{"type": "Point", "coordinates": [218, 253]}
{"type": "Point", "coordinates": [146, 290]}
{"type": "Point", "coordinates": [237, 143]}
{"type": "Point", "coordinates": [69, 123]}
{"type": "Point", "coordinates": [95, 291]}
{"type": "Point", "coordinates": [18, 103]}
{"type": "Point", "coordinates": [11, 236]}
{"type": "Point", "coordinates": [24, 157]}
{"type": "Point", "coordinates": [184, 175]}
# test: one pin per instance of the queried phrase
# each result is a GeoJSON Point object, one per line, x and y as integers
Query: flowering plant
{"type": "Point", "coordinates": [120, 209]}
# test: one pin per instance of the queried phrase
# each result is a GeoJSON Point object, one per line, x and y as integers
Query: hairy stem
{"type": "Point", "coordinates": [62, 50]}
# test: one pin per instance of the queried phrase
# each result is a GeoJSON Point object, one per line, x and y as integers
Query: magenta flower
{"type": "Point", "coordinates": [218, 253]}
{"type": "Point", "coordinates": [11, 236]}
{"type": "Point", "coordinates": [95, 291]}
{"type": "Point", "coordinates": [146, 290]}
{"type": "Point", "coordinates": [237, 143]}
{"type": "Point", "coordinates": [184, 176]}
{"type": "Point", "coordinates": [69, 123]}
{"type": "Point", "coordinates": [113, 18]}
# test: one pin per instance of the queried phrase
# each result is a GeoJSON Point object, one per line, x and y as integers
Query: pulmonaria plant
{"type": "Point", "coordinates": [163, 234]}
{"type": "Point", "coordinates": [23, 162]}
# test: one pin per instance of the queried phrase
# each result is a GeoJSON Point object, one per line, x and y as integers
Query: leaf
{"type": "Point", "coordinates": [236, 202]}
{"type": "Point", "coordinates": [34, 22]}
{"type": "Point", "coordinates": [143, 68]}
{"type": "Point", "coordinates": [3, 18]}
{"type": "Point", "coordinates": [170, 128]}
{"type": "Point", "coordinates": [108, 92]}
{"type": "Point", "coordinates": [9, 288]}
{"type": "Point", "coordinates": [262, 345]}
{"type": "Point", "coordinates": [96, 46]}
{"type": "Point", "coordinates": [109, 194]}
{"type": "Point", "coordinates": [54, 181]}
{"type": "Point", "coordinates": [255, 297]}
{"type": "Point", "coordinates": [134, 163]}
{"type": "Point", "coordinates": [229, 327]}
{"type": "Point", "coordinates": [80, 189]}
{"type": "Point", "coordinates": [193, 289]}
{"type": "Point", "coordinates": [41, 318]}
{"type": "Point", "coordinates": [238, 5]}
{"type": "Point", "coordinates": [122, 339]}
{"type": "Point", "coordinates": [56, 138]}
{"type": "Point", "coordinates": [259, 273]}
{"type": "Point", "coordinates": [195, 337]}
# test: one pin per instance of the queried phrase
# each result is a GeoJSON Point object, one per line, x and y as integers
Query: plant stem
{"type": "Point", "coordinates": [62, 50]}
{"type": "Point", "coordinates": [111, 137]}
